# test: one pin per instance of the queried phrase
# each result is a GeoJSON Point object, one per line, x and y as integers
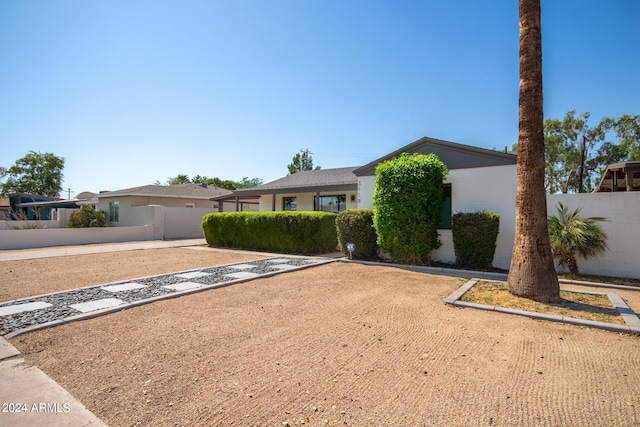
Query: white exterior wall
{"type": "Point", "coordinates": [494, 189]}
{"type": "Point", "coordinates": [476, 189]}
{"type": "Point", "coordinates": [304, 200]}
{"type": "Point", "coordinates": [491, 189]}
{"type": "Point", "coordinates": [366, 185]}
{"type": "Point", "coordinates": [181, 223]}
{"type": "Point", "coordinates": [23, 239]}
{"type": "Point", "coordinates": [622, 210]}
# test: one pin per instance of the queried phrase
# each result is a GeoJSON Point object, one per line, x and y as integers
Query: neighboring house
{"type": "Point", "coordinates": [620, 177]}
{"type": "Point", "coordinates": [118, 204]}
{"type": "Point", "coordinates": [35, 207]}
{"type": "Point", "coordinates": [329, 190]}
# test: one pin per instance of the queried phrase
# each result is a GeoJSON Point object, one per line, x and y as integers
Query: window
{"type": "Point", "coordinates": [445, 208]}
{"type": "Point", "coordinates": [333, 204]}
{"type": "Point", "coordinates": [289, 204]}
{"type": "Point", "coordinates": [114, 211]}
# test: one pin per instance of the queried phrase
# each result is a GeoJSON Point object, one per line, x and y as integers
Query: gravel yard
{"type": "Point", "coordinates": [337, 344]}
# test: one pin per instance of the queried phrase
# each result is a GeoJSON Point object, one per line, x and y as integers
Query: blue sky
{"type": "Point", "coordinates": [134, 92]}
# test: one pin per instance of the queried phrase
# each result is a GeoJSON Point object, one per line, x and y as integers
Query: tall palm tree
{"type": "Point", "coordinates": [572, 236]}
{"type": "Point", "coordinates": [532, 273]}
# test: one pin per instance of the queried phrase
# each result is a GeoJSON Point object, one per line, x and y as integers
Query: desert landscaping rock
{"type": "Point", "coordinates": [62, 305]}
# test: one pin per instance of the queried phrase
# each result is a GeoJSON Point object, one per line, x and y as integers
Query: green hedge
{"type": "Point", "coordinates": [407, 200]}
{"type": "Point", "coordinates": [85, 217]}
{"type": "Point", "coordinates": [307, 233]}
{"type": "Point", "coordinates": [474, 238]}
{"type": "Point", "coordinates": [356, 226]}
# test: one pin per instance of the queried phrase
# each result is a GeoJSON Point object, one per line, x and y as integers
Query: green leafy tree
{"type": "Point", "coordinates": [35, 173]}
{"type": "Point", "coordinates": [407, 199]}
{"type": "Point", "coordinates": [577, 153]}
{"type": "Point", "coordinates": [627, 130]}
{"type": "Point", "coordinates": [87, 216]}
{"type": "Point", "coordinates": [221, 183]}
{"type": "Point", "coordinates": [569, 148]}
{"type": "Point", "coordinates": [179, 180]}
{"type": "Point", "coordinates": [303, 161]}
{"type": "Point", "coordinates": [227, 184]}
{"type": "Point", "coordinates": [199, 179]}
{"type": "Point", "coordinates": [249, 183]}
{"type": "Point", "coordinates": [572, 236]}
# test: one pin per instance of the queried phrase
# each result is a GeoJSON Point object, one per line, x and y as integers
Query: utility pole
{"type": "Point", "coordinates": [583, 148]}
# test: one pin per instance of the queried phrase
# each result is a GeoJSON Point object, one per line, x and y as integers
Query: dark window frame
{"type": "Point", "coordinates": [340, 198]}
{"type": "Point", "coordinates": [445, 209]}
{"type": "Point", "coordinates": [290, 203]}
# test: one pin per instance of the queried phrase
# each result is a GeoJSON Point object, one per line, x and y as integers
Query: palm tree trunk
{"type": "Point", "coordinates": [532, 273]}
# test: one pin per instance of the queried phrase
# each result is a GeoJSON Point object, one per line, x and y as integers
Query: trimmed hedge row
{"type": "Point", "coordinates": [356, 226]}
{"type": "Point", "coordinates": [306, 233]}
{"type": "Point", "coordinates": [474, 238]}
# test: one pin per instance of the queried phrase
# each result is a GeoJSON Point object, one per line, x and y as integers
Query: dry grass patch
{"type": "Point", "coordinates": [579, 305]}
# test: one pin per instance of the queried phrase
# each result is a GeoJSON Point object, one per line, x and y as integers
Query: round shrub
{"type": "Point", "coordinates": [86, 217]}
{"type": "Point", "coordinates": [356, 226]}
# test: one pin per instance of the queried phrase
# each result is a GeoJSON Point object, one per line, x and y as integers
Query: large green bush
{"type": "Point", "coordinates": [407, 198]}
{"type": "Point", "coordinates": [474, 238]}
{"type": "Point", "coordinates": [356, 226]}
{"type": "Point", "coordinates": [86, 217]}
{"type": "Point", "coordinates": [307, 233]}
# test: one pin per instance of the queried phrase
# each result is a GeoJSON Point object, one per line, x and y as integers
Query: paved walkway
{"type": "Point", "coordinates": [27, 395]}
{"type": "Point", "coordinates": [21, 254]}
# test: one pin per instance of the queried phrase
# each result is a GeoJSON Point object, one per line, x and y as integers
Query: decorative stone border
{"type": "Point", "coordinates": [631, 319]}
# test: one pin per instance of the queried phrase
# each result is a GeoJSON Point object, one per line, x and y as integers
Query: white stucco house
{"type": "Point", "coordinates": [117, 204]}
{"type": "Point", "coordinates": [478, 179]}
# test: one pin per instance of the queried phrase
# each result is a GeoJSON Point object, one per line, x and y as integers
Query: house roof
{"type": "Point", "coordinates": [452, 154]}
{"type": "Point", "coordinates": [184, 191]}
{"type": "Point", "coordinates": [339, 179]}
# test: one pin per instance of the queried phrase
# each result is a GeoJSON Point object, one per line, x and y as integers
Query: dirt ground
{"type": "Point", "coordinates": [338, 344]}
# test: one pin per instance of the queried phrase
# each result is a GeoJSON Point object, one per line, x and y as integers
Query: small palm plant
{"type": "Point", "coordinates": [572, 236]}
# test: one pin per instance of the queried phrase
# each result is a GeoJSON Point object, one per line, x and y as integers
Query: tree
{"type": "Point", "coordinates": [532, 273]}
{"type": "Point", "coordinates": [36, 173]}
{"type": "Point", "coordinates": [179, 180]}
{"type": "Point", "coordinates": [568, 149]}
{"type": "Point", "coordinates": [221, 183]}
{"type": "Point", "coordinates": [572, 236]}
{"type": "Point", "coordinates": [214, 182]}
{"type": "Point", "coordinates": [627, 128]}
{"type": "Point", "coordinates": [249, 183]}
{"type": "Point", "coordinates": [407, 199]}
{"type": "Point", "coordinates": [576, 153]}
{"type": "Point", "coordinates": [302, 162]}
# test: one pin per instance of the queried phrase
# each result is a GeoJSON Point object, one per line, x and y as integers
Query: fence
{"type": "Point", "coordinates": [622, 211]}
{"type": "Point", "coordinates": [147, 223]}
